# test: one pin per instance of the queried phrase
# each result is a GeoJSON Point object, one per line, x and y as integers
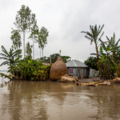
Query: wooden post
{"type": "Point", "coordinates": [80, 73]}
{"type": "Point", "coordinates": [60, 52]}
{"type": "Point", "coordinates": [50, 58]}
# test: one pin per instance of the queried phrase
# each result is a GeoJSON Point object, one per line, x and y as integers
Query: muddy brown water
{"type": "Point", "coordinates": [28, 100]}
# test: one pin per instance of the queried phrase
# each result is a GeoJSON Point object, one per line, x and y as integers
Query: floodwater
{"type": "Point", "coordinates": [36, 100]}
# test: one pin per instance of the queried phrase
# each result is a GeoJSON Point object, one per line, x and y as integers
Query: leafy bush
{"type": "Point", "coordinates": [91, 62]}
{"type": "Point", "coordinates": [33, 70]}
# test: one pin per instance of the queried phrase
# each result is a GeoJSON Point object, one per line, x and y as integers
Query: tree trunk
{"type": "Point", "coordinates": [97, 51]}
{"type": "Point", "coordinates": [50, 58]}
{"type": "Point", "coordinates": [97, 56]}
{"type": "Point", "coordinates": [112, 54]}
{"type": "Point", "coordinates": [33, 48]}
{"type": "Point", "coordinates": [24, 43]}
{"type": "Point", "coordinates": [42, 52]}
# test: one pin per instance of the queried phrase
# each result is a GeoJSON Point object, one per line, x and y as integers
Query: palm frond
{"type": "Point", "coordinates": [103, 45]}
{"type": "Point", "coordinates": [117, 42]}
{"type": "Point", "coordinates": [4, 63]}
{"type": "Point", "coordinates": [93, 54]}
{"type": "Point", "coordinates": [5, 58]}
{"type": "Point", "coordinates": [17, 52]}
{"type": "Point", "coordinates": [4, 55]}
{"type": "Point", "coordinates": [89, 38]}
{"type": "Point", "coordinates": [101, 35]}
{"type": "Point", "coordinates": [4, 50]}
{"type": "Point", "coordinates": [100, 29]}
{"type": "Point", "coordinates": [83, 32]}
{"type": "Point", "coordinates": [107, 38]}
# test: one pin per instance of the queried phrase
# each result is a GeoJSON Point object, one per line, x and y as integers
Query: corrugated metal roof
{"type": "Point", "coordinates": [75, 63]}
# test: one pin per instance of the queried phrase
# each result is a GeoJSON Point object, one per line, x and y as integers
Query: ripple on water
{"type": "Point", "coordinates": [26, 100]}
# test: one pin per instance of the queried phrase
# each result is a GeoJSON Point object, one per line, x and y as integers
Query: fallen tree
{"type": "Point", "coordinates": [107, 83]}
{"type": "Point", "coordinates": [117, 80]}
{"type": "Point", "coordinates": [68, 78]}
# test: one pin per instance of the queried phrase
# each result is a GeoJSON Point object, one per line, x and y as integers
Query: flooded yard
{"type": "Point", "coordinates": [37, 100]}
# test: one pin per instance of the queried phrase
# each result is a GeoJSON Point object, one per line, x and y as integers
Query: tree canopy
{"type": "Point", "coordinates": [24, 20]}
{"type": "Point", "coordinates": [16, 39]}
{"type": "Point", "coordinates": [54, 58]}
{"type": "Point", "coordinates": [91, 62]}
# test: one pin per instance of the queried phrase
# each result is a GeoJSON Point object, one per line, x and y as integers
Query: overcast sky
{"type": "Point", "coordinates": [64, 19]}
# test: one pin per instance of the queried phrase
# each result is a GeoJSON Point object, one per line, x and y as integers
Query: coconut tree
{"type": "Point", "coordinates": [11, 57]}
{"type": "Point", "coordinates": [94, 35]}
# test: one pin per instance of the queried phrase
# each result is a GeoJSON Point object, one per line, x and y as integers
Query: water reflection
{"type": "Point", "coordinates": [27, 100]}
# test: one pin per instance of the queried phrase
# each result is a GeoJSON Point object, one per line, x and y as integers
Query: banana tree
{"type": "Point", "coordinates": [113, 44]}
{"type": "Point", "coordinates": [11, 57]}
{"type": "Point", "coordinates": [107, 63]}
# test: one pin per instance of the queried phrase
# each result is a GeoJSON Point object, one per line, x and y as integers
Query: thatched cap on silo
{"type": "Point", "coordinates": [58, 69]}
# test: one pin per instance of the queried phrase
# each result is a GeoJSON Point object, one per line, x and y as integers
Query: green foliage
{"type": "Point", "coordinates": [6, 76]}
{"type": "Point", "coordinates": [33, 35]}
{"type": "Point", "coordinates": [91, 62]}
{"type": "Point", "coordinates": [108, 62]}
{"type": "Point", "coordinates": [26, 70]}
{"type": "Point", "coordinates": [109, 54]}
{"type": "Point", "coordinates": [65, 58]}
{"type": "Point", "coordinates": [113, 45]}
{"type": "Point", "coordinates": [54, 58]}
{"type": "Point", "coordinates": [11, 58]}
{"type": "Point", "coordinates": [43, 34]}
{"type": "Point", "coordinates": [42, 37]}
{"type": "Point", "coordinates": [42, 72]}
{"type": "Point", "coordinates": [28, 51]}
{"type": "Point", "coordinates": [16, 39]}
{"type": "Point", "coordinates": [33, 70]}
{"type": "Point", "coordinates": [34, 32]}
{"type": "Point", "coordinates": [24, 20]}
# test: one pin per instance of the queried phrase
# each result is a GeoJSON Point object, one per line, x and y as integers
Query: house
{"type": "Point", "coordinates": [74, 67]}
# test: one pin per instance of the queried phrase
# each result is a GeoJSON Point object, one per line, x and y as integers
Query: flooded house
{"type": "Point", "coordinates": [77, 68]}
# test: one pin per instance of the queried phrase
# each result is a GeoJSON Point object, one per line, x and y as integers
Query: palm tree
{"type": "Point", "coordinates": [11, 57]}
{"type": "Point", "coordinates": [93, 36]}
